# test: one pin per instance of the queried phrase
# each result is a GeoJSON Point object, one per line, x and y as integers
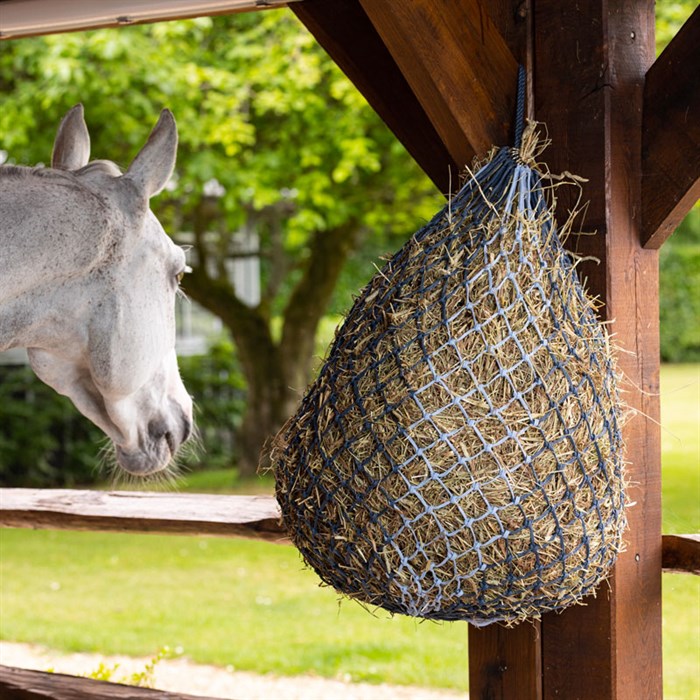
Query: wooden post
{"type": "Point", "coordinates": [590, 61]}
{"type": "Point", "coordinates": [590, 65]}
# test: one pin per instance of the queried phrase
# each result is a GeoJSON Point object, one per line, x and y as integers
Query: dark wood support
{"type": "Point", "coordinates": [20, 684]}
{"type": "Point", "coordinates": [252, 517]}
{"type": "Point", "coordinates": [590, 63]}
{"type": "Point", "coordinates": [505, 663]}
{"type": "Point", "coordinates": [681, 554]}
{"type": "Point", "coordinates": [343, 29]}
{"type": "Point", "coordinates": [458, 66]}
{"type": "Point", "coordinates": [671, 135]}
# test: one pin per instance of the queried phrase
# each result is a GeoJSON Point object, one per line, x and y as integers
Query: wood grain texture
{"type": "Point", "coordinates": [505, 663]}
{"type": "Point", "coordinates": [458, 66]}
{"type": "Point", "coordinates": [671, 135]}
{"type": "Point", "coordinates": [24, 18]}
{"type": "Point", "coordinates": [20, 684]}
{"type": "Point", "coordinates": [590, 63]}
{"type": "Point", "coordinates": [681, 554]}
{"type": "Point", "coordinates": [252, 517]}
{"type": "Point", "coordinates": [343, 29]}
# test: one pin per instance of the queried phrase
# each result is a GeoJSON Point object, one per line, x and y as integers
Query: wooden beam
{"type": "Point", "coordinates": [21, 684]}
{"type": "Point", "coordinates": [671, 135]}
{"type": "Point", "coordinates": [249, 517]}
{"type": "Point", "coordinates": [458, 66]}
{"type": "Point", "coordinates": [681, 554]}
{"type": "Point", "coordinates": [343, 29]}
{"type": "Point", "coordinates": [252, 517]}
{"type": "Point", "coordinates": [590, 62]}
{"type": "Point", "coordinates": [505, 663]}
{"type": "Point", "coordinates": [20, 18]}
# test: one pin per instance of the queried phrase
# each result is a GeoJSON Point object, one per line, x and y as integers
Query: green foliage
{"type": "Point", "coordinates": [218, 387]}
{"type": "Point", "coordinates": [680, 445]}
{"type": "Point", "coordinates": [260, 108]}
{"type": "Point", "coordinates": [140, 679]}
{"type": "Point", "coordinates": [103, 672]}
{"type": "Point", "coordinates": [44, 441]}
{"type": "Point", "coordinates": [679, 292]}
{"type": "Point", "coordinates": [670, 16]}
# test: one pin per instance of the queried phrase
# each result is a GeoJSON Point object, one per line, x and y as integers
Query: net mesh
{"type": "Point", "coordinates": [460, 455]}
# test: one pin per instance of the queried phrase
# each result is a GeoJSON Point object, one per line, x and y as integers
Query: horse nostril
{"type": "Point", "coordinates": [172, 445]}
{"type": "Point", "coordinates": [187, 430]}
{"type": "Point", "coordinates": [157, 429]}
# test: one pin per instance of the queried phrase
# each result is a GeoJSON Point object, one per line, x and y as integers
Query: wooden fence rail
{"type": "Point", "coordinates": [20, 684]}
{"type": "Point", "coordinates": [250, 517]}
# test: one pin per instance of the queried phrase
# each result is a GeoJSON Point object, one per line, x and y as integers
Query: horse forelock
{"type": "Point", "coordinates": [96, 167]}
{"type": "Point", "coordinates": [102, 167]}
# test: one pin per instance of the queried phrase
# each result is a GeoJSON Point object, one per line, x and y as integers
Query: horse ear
{"type": "Point", "coordinates": [71, 149]}
{"type": "Point", "coordinates": [154, 163]}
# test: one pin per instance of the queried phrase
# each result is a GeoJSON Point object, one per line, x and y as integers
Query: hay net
{"type": "Point", "coordinates": [460, 455]}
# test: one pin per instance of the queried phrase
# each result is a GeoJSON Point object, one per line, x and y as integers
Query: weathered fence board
{"type": "Point", "coordinates": [253, 517]}
{"type": "Point", "coordinates": [20, 684]}
{"type": "Point", "coordinates": [249, 517]}
{"type": "Point", "coordinates": [681, 554]}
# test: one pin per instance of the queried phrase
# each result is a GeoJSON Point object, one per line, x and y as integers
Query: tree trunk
{"type": "Point", "coordinates": [269, 404]}
{"type": "Point", "coordinates": [276, 374]}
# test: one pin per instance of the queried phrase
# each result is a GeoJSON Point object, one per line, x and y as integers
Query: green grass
{"type": "Point", "coordinates": [227, 602]}
{"type": "Point", "coordinates": [680, 447]}
{"type": "Point", "coordinates": [251, 605]}
{"type": "Point", "coordinates": [680, 457]}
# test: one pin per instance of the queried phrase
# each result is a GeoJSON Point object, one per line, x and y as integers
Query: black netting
{"type": "Point", "coordinates": [459, 455]}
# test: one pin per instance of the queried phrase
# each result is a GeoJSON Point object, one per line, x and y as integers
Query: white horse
{"type": "Point", "coordinates": [88, 279]}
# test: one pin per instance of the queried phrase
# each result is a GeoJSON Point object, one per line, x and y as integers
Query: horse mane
{"type": "Point", "coordinates": [104, 167]}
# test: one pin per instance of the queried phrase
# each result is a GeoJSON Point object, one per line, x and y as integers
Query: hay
{"type": "Point", "coordinates": [459, 456]}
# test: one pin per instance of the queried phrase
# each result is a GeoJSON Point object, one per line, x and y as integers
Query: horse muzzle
{"type": "Point", "coordinates": [157, 447]}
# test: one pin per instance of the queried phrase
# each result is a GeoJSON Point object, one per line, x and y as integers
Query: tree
{"type": "Point", "coordinates": [273, 138]}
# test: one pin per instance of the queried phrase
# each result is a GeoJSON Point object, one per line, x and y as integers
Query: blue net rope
{"type": "Point", "coordinates": [460, 454]}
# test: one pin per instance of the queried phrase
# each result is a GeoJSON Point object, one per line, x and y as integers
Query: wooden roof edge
{"type": "Point", "coordinates": [25, 18]}
{"type": "Point", "coordinates": [441, 75]}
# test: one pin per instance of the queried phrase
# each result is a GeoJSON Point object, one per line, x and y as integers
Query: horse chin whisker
{"type": "Point", "coordinates": [106, 465]}
{"type": "Point", "coordinates": [171, 478]}
{"type": "Point", "coordinates": [192, 450]}
{"type": "Point", "coordinates": [168, 479]}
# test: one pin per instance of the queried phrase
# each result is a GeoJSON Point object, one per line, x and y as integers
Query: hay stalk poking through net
{"type": "Point", "coordinates": [459, 455]}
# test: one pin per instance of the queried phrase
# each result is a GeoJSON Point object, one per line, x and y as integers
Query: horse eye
{"type": "Point", "coordinates": [180, 275]}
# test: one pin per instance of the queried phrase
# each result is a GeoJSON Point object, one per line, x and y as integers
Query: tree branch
{"type": "Point", "coordinates": [309, 300]}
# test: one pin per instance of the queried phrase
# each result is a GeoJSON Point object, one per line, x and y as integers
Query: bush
{"type": "Point", "coordinates": [45, 441]}
{"type": "Point", "coordinates": [218, 387]}
{"type": "Point", "coordinates": [679, 292]}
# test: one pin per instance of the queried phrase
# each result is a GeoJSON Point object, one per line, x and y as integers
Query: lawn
{"type": "Point", "coordinates": [252, 606]}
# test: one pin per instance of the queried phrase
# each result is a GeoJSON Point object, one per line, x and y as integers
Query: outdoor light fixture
{"type": "Point", "coordinates": [20, 18]}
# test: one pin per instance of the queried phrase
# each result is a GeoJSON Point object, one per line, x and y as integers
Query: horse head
{"type": "Point", "coordinates": [108, 335]}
